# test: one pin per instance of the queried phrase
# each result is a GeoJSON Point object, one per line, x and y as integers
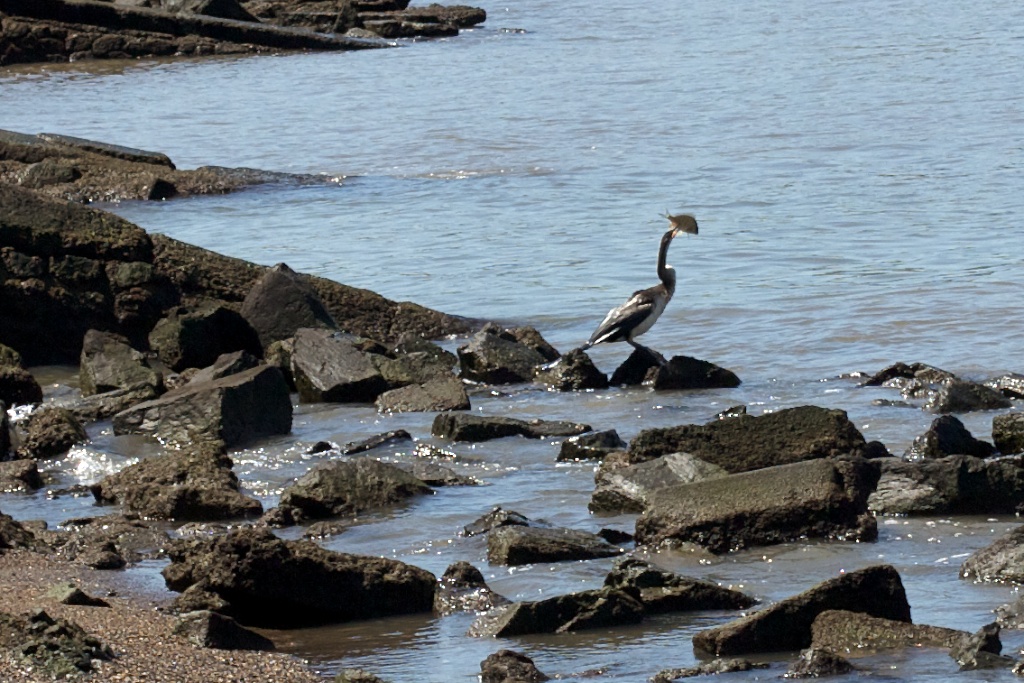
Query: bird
{"type": "Point", "coordinates": [638, 314]}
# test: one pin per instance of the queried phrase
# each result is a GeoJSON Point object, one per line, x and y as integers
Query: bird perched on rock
{"type": "Point", "coordinates": [642, 310]}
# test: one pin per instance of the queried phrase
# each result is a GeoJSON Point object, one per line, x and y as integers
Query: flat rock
{"type": "Point", "coordinates": [390, 438]}
{"type": "Point", "coordinates": [956, 484]}
{"type": "Point", "coordinates": [848, 631]}
{"type": "Point", "coordinates": [593, 446]}
{"type": "Point", "coordinates": [629, 488]}
{"type": "Point", "coordinates": [600, 608]}
{"type": "Point", "coordinates": [746, 442]}
{"type": "Point", "coordinates": [196, 484]}
{"type": "Point", "coordinates": [279, 584]}
{"type": "Point", "coordinates": [1008, 433]}
{"type": "Point", "coordinates": [1002, 560]}
{"type": "Point", "coordinates": [233, 410]}
{"type": "Point", "coordinates": [662, 591]}
{"type": "Point", "coordinates": [442, 394]}
{"type": "Point", "coordinates": [821, 498]}
{"type": "Point", "coordinates": [469, 427]}
{"type": "Point", "coordinates": [508, 666]}
{"type": "Point", "coordinates": [210, 629]}
{"type": "Point", "coordinates": [786, 625]}
{"type": "Point", "coordinates": [518, 545]}
{"type": "Point", "coordinates": [947, 436]}
{"type": "Point", "coordinates": [715, 666]}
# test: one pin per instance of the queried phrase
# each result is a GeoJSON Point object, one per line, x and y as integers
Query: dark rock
{"type": "Point", "coordinates": [56, 648]}
{"type": "Point", "coordinates": [14, 535]}
{"type": "Point", "coordinates": [1008, 433]}
{"type": "Point", "coordinates": [746, 443]}
{"type": "Point", "coordinates": [327, 528]}
{"type": "Point", "coordinates": [281, 302]}
{"type": "Point", "coordinates": [19, 475]}
{"type": "Point", "coordinates": [629, 489]}
{"type": "Point", "coordinates": [529, 336]}
{"type": "Point", "coordinates": [812, 499]}
{"type": "Point", "coordinates": [1002, 560]}
{"type": "Point", "coordinates": [508, 666]}
{"type": "Point", "coordinates": [634, 369]}
{"type": "Point", "coordinates": [600, 608]}
{"type": "Point", "coordinates": [47, 172]}
{"type": "Point", "coordinates": [386, 439]}
{"type": "Point", "coordinates": [104, 406]}
{"type": "Point", "coordinates": [469, 427]}
{"type": "Point", "coordinates": [194, 484]}
{"type": "Point", "coordinates": [279, 354]}
{"type": "Point", "coordinates": [225, 9]}
{"type": "Point", "coordinates": [493, 359]}
{"type": "Point", "coordinates": [462, 589]}
{"type": "Point", "coordinates": [195, 598]}
{"type": "Point", "coordinates": [348, 487]}
{"type": "Point", "coordinates": [109, 363]}
{"type": "Point", "coordinates": [210, 629]}
{"type": "Point", "coordinates": [594, 446]}
{"type": "Point", "coordinates": [1011, 385]}
{"type": "Point", "coordinates": [193, 337]}
{"type": "Point", "coordinates": [50, 432]}
{"type": "Point", "coordinates": [225, 365]}
{"type": "Point", "coordinates": [441, 394]}
{"type": "Point", "coordinates": [574, 372]}
{"type": "Point", "coordinates": [916, 371]}
{"type": "Point", "coordinates": [416, 367]}
{"type": "Point", "coordinates": [818, 663]}
{"type": "Point", "coordinates": [683, 372]}
{"type": "Point", "coordinates": [332, 367]}
{"type": "Point", "coordinates": [356, 676]}
{"type": "Point", "coordinates": [9, 356]}
{"type": "Point", "coordinates": [960, 396]}
{"type": "Point", "coordinates": [847, 631]}
{"type": "Point", "coordinates": [275, 583]}
{"type": "Point", "coordinates": [663, 591]}
{"type": "Point", "coordinates": [786, 625]}
{"type": "Point", "coordinates": [18, 387]}
{"type": "Point", "coordinates": [233, 410]}
{"type": "Point", "coordinates": [981, 650]}
{"type": "Point", "coordinates": [947, 436]}
{"type": "Point", "coordinates": [715, 666]}
{"type": "Point", "coordinates": [956, 484]}
{"type": "Point", "coordinates": [435, 475]}
{"type": "Point", "coordinates": [495, 519]}
{"type": "Point", "coordinates": [517, 545]}
{"type": "Point", "coordinates": [70, 594]}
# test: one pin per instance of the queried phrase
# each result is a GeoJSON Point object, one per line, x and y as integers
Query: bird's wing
{"type": "Point", "coordinates": [619, 321]}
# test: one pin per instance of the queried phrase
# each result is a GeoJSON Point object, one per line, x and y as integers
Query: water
{"type": "Point", "coordinates": [857, 174]}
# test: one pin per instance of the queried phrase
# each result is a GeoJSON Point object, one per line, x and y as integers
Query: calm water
{"type": "Point", "coordinates": [858, 174]}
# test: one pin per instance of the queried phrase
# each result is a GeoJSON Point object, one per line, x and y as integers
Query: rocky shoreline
{"type": "Point", "coordinates": [72, 30]}
{"type": "Point", "coordinates": [205, 353]}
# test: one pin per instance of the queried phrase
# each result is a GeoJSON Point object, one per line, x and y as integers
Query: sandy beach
{"type": "Point", "coordinates": [134, 627]}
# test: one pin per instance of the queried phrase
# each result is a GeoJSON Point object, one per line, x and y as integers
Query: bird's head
{"type": "Point", "coordinates": [682, 223]}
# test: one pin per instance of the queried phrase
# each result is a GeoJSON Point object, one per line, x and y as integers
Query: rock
{"type": "Point", "coordinates": [436, 395]}
{"type": "Point", "coordinates": [847, 631]}
{"type": "Point", "coordinates": [629, 489]}
{"type": "Point", "coordinates": [634, 369]}
{"type": "Point", "coordinates": [18, 387]}
{"type": "Point", "coordinates": [275, 583]}
{"type": "Point", "coordinates": [600, 608]}
{"type": "Point", "coordinates": [281, 302]}
{"type": "Point", "coordinates": [956, 484]}
{"type": "Point", "coordinates": [225, 365]}
{"type": "Point", "coordinates": [491, 358]}
{"type": "Point", "coordinates": [279, 354]}
{"type": "Point", "coordinates": [508, 666]}
{"type": "Point", "coordinates": [786, 625]}
{"type": "Point", "coordinates": [1011, 385]}
{"type": "Point", "coordinates": [746, 443]}
{"type": "Point", "coordinates": [661, 591]}
{"type": "Point", "coordinates": [14, 535]}
{"type": "Point", "coordinates": [332, 367]}
{"type": "Point", "coordinates": [356, 676]}
{"type": "Point", "coordinates": [920, 372]}
{"type": "Point", "coordinates": [981, 651]}
{"type": "Point", "coordinates": [56, 648]}
{"type": "Point", "coordinates": [1002, 560]}
{"type": "Point", "coordinates": [530, 337]}
{"type": "Point", "coordinates": [593, 446]}
{"type": "Point", "coordinates": [386, 439]}
{"type": "Point", "coordinates": [960, 396]}
{"type": "Point", "coordinates": [70, 594]}
{"type": "Point", "coordinates": [5, 433]}
{"type": "Point", "coordinates": [210, 629]}
{"type": "Point", "coordinates": [109, 363]}
{"type": "Point", "coordinates": [225, 9]}
{"type": "Point", "coordinates": [347, 487]}
{"type": "Point", "coordinates": [196, 599]}
{"type": "Point", "coordinates": [104, 406]}
{"type": "Point", "coordinates": [517, 545]}
{"type": "Point", "coordinates": [574, 372]}
{"type": "Point", "coordinates": [469, 427]}
{"type": "Point", "coordinates": [947, 436]}
{"type": "Point", "coordinates": [1008, 433]}
{"type": "Point", "coordinates": [821, 498]}
{"type": "Point", "coordinates": [715, 666]}
{"type": "Point", "coordinates": [196, 484]}
{"type": "Point", "coordinates": [818, 663]}
{"type": "Point", "coordinates": [435, 475]}
{"type": "Point", "coordinates": [495, 519]}
{"type": "Point", "coordinates": [51, 432]}
{"type": "Point", "coordinates": [233, 410]}
{"type": "Point", "coordinates": [9, 356]}
{"type": "Point", "coordinates": [683, 372]}
{"type": "Point", "coordinates": [19, 476]}
{"type": "Point", "coordinates": [193, 337]}
{"type": "Point", "coordinates": [462, 589]}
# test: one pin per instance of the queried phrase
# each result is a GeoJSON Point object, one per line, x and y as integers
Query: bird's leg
{"type": "Point", "coordinates": [654, 355]}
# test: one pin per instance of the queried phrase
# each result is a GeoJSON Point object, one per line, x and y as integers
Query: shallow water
{"type": "Point", "coordinates": [857, 175]}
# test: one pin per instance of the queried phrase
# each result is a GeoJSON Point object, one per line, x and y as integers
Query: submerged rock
{"type": "Point", "coordinates": [601, 608]}
{"type": "Point", "coordinates": [518, 545]}
{"type": "Point", "coordinates": [469, 427]}
{"type": "Point", "coordinates": [715, 666]}
{"type": "Point", "coordinates": [593, 446]}
{"type": "Point", "coordinates": [508, 666]}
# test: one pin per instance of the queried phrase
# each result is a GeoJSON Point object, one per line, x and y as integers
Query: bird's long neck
{"type": "Point", "coordinates": [666, 273]}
